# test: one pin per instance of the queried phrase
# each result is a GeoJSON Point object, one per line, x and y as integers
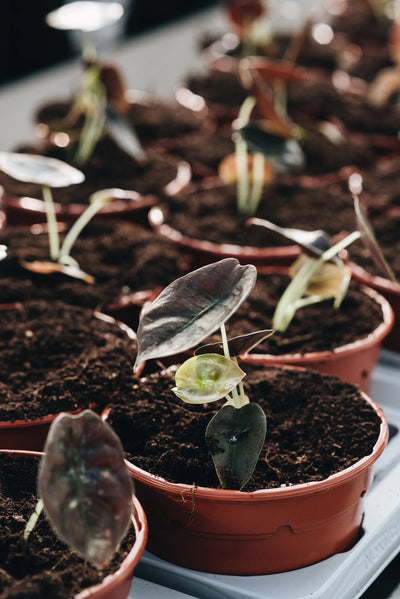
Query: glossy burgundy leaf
{"type": "Point", "coordinates": [85, 486]}
{"type": "Point", "coordinates": [193, 307]}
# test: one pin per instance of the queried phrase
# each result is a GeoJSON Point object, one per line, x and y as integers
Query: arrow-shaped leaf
{"type": "Point", "coordinates": [193, 307]}
{"type": "Point", "coordinates": [235, 438]}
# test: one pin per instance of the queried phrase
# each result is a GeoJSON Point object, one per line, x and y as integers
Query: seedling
{"type": "Point", "coordinates": [49, 172]}
{"type": "Point", "coordinates": [101, 99]}
{"type": "Point", "coordinates": [187, 311]}
{"type": "Point", "coordinates": [249, 19]}
{"type": "Point", "coordinates": [271, 139]}
{"type": "Point", "coordinates": [322, 275]}
{"type": "Point", "coordinates": [84, 487]}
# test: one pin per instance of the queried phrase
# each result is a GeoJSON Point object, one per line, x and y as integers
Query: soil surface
{"type": "Point", "coordinates": [153, 119]}
{"type": "Point", "coordinates": [123, 259]}
{"type": "Point", "coordinates": [316, 425]}
{"type": "Point", "coordinates": [211, 213]}
{"type": "Point", "coordinates": [318, 327]}
{"type": "Point", "coordinates": [43, 567]}
{"type": "Point", "coordinates": [57, 357]}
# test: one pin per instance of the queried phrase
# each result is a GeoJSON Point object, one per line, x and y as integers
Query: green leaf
{"type": "Point", "coordinates": [206, 378]}
{"type": "Point", "coordinates": [237, 345]}
{"type": "Point", "coordinates": [193, 307]}
{"type": "Point", "coordinates": [235, 438]}
{"type": "Point", "coordinates": [32, 168]}
{"type": "Point", "coordinates": [285, 154]}
{"type": "Point", "coordinates": [85, 486]}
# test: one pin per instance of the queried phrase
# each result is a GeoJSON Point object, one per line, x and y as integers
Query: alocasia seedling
{"type": "Point", "coordinates": [49, 172]}
{"type": "Point", "coordinates": [187, 311]}
{"type": "Point", "coordinates": [84, 486]}
{"type": "Point", "coordinates": [101, 98]}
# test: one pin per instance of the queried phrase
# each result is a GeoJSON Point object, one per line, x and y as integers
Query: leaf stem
{"type": "Point", "coordinates": [54, 241]}
{"type": "Point", "coordinates": [30, 525]}
{"type": "Point", "coordinates": [236, 400]}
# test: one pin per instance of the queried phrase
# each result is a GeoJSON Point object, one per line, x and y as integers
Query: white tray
{"type": "Point", "coordinates": [144, 589]}
{"type": "Point", "coordinates": [346, 575]}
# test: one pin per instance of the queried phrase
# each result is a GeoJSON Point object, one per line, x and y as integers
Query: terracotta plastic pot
{"type": "Point", "coordinates": [204, 251]}
{"type": "Point", "coordinates": [266, 531]}
{"type": "Point", "coordinates": [390, 291]}
{"type": "Point", "coordinates": [31, 434]}
{"type": "Point", "coordinates": [353, 362]}
{"type": "Point", "coordinates": [118, 584]}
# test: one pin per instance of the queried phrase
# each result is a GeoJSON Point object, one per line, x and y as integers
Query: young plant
{"type": "Point", "coordinates": [84, 487]}
{"type": "Point", "coordinates": [101, 98]}
{"type": "Point", "coordinates": [187, 311]}
{"type": "Point", "coordinates": [271, 139]}
{"type": "Point", "coordinates": [49, 172]}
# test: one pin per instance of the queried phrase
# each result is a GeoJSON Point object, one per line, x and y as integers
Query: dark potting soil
{"type": "Point", "coordinates": [211, 214]}
{"type": "Point", "coordinates": [387, 232]}
{"type": "Point", "coordinates": [357, 19]}
{"type": "Point", "coordinates": [123, 259]}
{"type": "Point", "coordinates": [43, 567]}
{"type": "Point", "coordinates": [318, 327]}
{"type": "Point", "coordinates": [56, 357]}
{"type": "Point", "coordinates": [152, 118]}
{"type": "Point", "coordinates": [316, 426]}
{"type": "Point", "coordinates": [108, 167]}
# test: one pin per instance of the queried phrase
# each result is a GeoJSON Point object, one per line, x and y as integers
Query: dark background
{"type": "Point", "coordinates": [27, 44]}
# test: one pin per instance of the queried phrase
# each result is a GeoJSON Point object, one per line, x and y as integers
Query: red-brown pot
{"type": "Point", "coordinates": [118, 584]}
{"type": "Point", "coordinates": [266, 531]}
{"type": "Point", "coordinates": [353, 362]}
{"type": "Point", "coordinates": [389, 290]}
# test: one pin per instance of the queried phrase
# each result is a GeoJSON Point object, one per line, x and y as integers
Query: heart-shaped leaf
{"type": "Point", "coordinates": [32, 168]}
{"type": "Point", "coordinates": [85, 486]}
{"type": "Point", "coordinates": [85, 15]}
{"type": "Point", "coordinates": [206, 378]}
{"type": "Point", "coordinates": [285, 154]}
{"type": "Point", "coordinates": [235, 437]}
{"type": "Point", "coordinates": [237, 345]}
{"type": "Point", "coordinates": [123, 134]}
{"type": "Point", "coordinates": [193, 307]}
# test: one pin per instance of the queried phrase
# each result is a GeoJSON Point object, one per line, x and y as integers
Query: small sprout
{"type": "Point", "coordinates": [186, 312]}
{"type": "Point", "coordinates": [85, 486]}
{"type": "Point", "coordinates": [316, 242]}
{"type": "Point", "coordinates": [313, 283]}
{"type": "Point", "coordinates": [49, 172]}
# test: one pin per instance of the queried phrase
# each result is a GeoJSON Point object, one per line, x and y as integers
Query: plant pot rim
{"type": "Point", "coordinates": [156, 218]}
{"type": "Point", "coordinates": [261, 495]}
{"type": "Point", "coordinates": [373, 338]}
{"type": "Point", "coordinates": [376, 281]}
{"type": "Point", "coordinates": [139, 523]}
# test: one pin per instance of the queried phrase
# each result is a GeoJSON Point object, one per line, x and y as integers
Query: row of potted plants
{"type": "Point", "coordinates": [255, 459]}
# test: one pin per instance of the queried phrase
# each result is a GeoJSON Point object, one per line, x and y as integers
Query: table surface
{"type": "Point", "coordinates": [153, 62]}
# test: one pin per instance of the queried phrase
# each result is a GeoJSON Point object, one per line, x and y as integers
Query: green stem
{"type": "Point", "coordinates": [78, 226]}
{"type": "Point", "coordinates": [30, 525]}
{"type": "Point", "coordinates": [258, 182]}
{"type": "Point", "coordinates": [54, 241]}
{"type": "Point", "coordinates": [242, 188]}
{"type": "Point", "coordinates": [235, 396]}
